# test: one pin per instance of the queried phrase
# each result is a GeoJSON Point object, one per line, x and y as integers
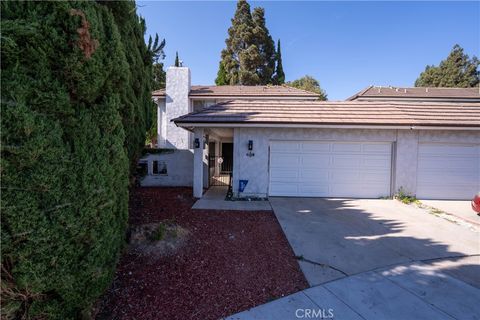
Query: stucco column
{"type": "Point", "coordinates": [198, 163]}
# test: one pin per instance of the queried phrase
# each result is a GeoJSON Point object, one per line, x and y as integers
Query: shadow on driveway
{"type": "Point", "coordinates": [334, 238]}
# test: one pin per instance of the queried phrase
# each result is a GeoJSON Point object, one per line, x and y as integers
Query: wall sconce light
{"type": "Point", "coordinates": [196, 143]}
{"type": "Point", "coordinates": [250, 145]}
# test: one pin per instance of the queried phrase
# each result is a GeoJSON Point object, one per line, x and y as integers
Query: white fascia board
{"type": "Point", "coordinates": [326, 126]}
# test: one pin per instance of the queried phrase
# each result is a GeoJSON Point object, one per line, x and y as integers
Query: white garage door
{"type": "Point", "coordinates": [329, 169]}
{"type": "Point", "coordinates": [448, 171]}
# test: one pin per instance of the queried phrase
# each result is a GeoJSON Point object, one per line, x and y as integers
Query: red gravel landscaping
{"type": "Point", "coordinates": [233, 260]}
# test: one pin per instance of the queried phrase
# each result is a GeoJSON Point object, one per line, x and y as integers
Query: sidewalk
{"type": "Point", "coordinates": [214, 199]}
{"type": "Point", "coordinates": [409, 291]}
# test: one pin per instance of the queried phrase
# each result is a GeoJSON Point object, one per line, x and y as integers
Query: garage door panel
{"type": "Point", "coordinates": [282, 174]}
{"type": "Point", "coordinates": [450, 178]}
{"type": "Point", "coordinates": [448, 163]}
{"type": "Point", "coordinates": [283, 188]}
{"type": "Point", "coordinates": [347, 147]}
{"type": "Point", "coordinates": [331, 169]}
{"type": "Point", "coordinates": [314, 175]}
{"type": "Point", "coordinates": [346, 161]}
{"type": "Point", "coordinates": [315, 161]}
{"type": "Point", "coordinates": [448, 171]}
{"type": "Point", "coordinates": [381, 148]}
{"type": "Point", "coordinates": [285, 160]}
{"type": "Point", "coordinates": [313, 190]}
{"type": "Point", "coordinates": [346, 176]}
{"type": "Point", "coordinates": [288, 147]}
{"type": "Point", "coordinates": [454, 192]}
{"type": "Point", "coordinates": [382, 176]}
{"type": "Point", "coordinates": [346, 190]}
{"type": "Point", "coordinates": [449, 150]}
{"type": "Point", "coordinates": [315, 147]}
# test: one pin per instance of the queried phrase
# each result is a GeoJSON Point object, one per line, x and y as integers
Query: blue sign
{"type": "Point", "coordinates": [242, 184]}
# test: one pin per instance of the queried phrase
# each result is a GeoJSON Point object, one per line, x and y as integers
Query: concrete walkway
{"type": "Point", "coordinates": [409, 291]}
{"type": "Point", "coordinates": [214, 199]}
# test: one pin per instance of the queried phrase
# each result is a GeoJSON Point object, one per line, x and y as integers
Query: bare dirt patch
{"type": "Point", "coordinates": [230, 262]}
{"type": "Point", "coordinates": [157, 239]}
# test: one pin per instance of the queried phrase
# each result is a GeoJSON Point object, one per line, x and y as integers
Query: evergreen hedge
{"type": "Point", "coordinates": [75, 107]}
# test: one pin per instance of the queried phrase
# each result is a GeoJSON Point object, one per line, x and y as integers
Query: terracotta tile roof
{"type": "Point", "coordinates": [376, 92]}
{"type": "Point", "coordinates": [245, 91]}
{"type": "Point", "coordinates": [256, 91]}
{"type": "Point", "coordinates": [338, 113]}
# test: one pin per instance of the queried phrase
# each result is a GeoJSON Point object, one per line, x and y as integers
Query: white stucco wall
{"type": "Point", "coordinates": [179, 167]}
{"type": "Point", "coordinates": [255, 169]}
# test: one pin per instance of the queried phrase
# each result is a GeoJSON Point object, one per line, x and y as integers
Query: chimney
{"type": "Point", "coordinates": [177, 104]}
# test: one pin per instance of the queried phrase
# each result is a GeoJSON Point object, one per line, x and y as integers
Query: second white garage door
{"type": "Point", "coordinates": [330, 169]}
{"type": "Point", "coordinates": [448, 171]}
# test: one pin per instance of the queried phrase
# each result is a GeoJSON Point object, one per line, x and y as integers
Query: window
{"type": "Point", "coordinates": [142, 168]}
{"type": "Point", "coordinates": [159, 168]}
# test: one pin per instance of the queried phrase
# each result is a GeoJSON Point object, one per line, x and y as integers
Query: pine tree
{"type": "Point", "coordinates": [241, 57]}
{"type": "Point", "coordinates": [279, 77]}
{"type": "Point", "coordinates": [457, 70]}
{"type": "Point", "coordinates": [221, 79]}
{"type": "Point", "coordinates": [159, 76]}
{"type": "Point", "coordinates": [265, 45]}
{"type": "Point", "coordinates": [311, 84]}
{"type": "Point", "coordinates": [177, 62]}
{"type": "Point", "coordinates": [155, 49]}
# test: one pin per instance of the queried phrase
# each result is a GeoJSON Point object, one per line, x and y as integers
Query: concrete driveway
{"type": "Point", "coordinates": [459, 209]}
{"type": "Point", "coordinates": [376, 259]}
{"type": "Point", "coordinates": [338, 237]}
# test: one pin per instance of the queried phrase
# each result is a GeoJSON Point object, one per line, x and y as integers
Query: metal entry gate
{"type": "Point", "coordinates": [220, 170]}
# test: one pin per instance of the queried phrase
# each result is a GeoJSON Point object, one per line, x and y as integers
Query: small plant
{"type": "Point", "coordinates": [404, 197]}
{"type": "Point", "coordinates": [159, 233]}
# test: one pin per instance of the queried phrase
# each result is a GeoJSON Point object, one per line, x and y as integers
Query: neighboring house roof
{"type": "Point", "coordinates": [417, 93]}
{"type": "Point", "coordinates": [244, 91]}
{"type": "Point", "coordinates": [298, 113]}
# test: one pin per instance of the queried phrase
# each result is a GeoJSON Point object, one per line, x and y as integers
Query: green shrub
{"type": "Point", "coordinates": [75, 106]}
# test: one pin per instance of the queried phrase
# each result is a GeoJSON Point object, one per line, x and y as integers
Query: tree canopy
{"type": "Point", "coordinates": [457, 70]}
{"type": "Point", "coordinates": [249, 57]}
{"type": "Point", "coordinates": [75, 107]}
{"type": "Point", "coordinates": [309, 83]}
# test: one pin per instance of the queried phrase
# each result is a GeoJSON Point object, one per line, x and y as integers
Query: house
{"type": "Point", "coordinates": [379, 93]}
{"type": "Point", "coordinates": [280, 141]}
{"type": "Point", "coordinates": [172, 164]}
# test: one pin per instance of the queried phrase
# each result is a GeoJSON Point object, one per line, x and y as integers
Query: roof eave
{"type": "Point", "coordinates": [333, 125]}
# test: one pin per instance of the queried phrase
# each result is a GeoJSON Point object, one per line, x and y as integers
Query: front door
{"type": "Point", "coordinates": [227, 155]}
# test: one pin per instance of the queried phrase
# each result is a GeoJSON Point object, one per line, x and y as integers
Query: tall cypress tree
{"type": "Point", "coordinates": [457, 70]}
{"type": "Point", "coordinates": [265, 45]}
{"type": "Point", "coordinates": [279, 74]}
{"type": "Point", "coordinates": [75, 106]}
{"type": "Point", "coordinates": [177, 62]}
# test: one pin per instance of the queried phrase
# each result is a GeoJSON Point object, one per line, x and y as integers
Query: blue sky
{"type": "Point", "coordinates": [345, 45]}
